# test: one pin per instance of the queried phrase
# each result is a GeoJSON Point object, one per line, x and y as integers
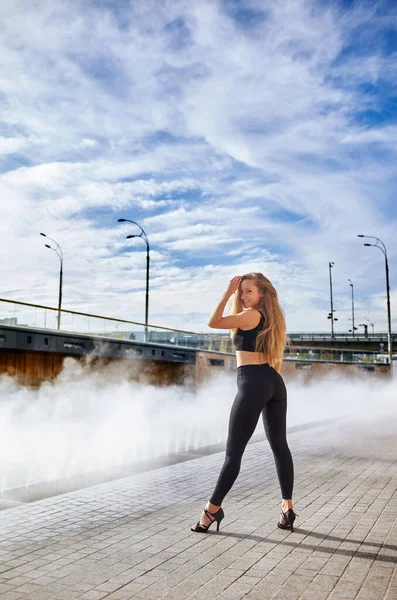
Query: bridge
{"type": "Point", "coordinates": [375, 341]}
{"type": "Point", "coordinates": [35, 315]}
{"type": "Point", "coordinates": [33, 349]}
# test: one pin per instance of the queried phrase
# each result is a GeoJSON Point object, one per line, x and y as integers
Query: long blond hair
{"type": "Point", "coordinates": [273, 338]}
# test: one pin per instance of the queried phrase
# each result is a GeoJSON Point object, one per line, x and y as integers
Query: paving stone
{"type": "Point", "coordinates": [12, 595]}
{"type": "Point", "coordinates": [131, 538]}
{"type": "Point", "coordinates": [93, 595]}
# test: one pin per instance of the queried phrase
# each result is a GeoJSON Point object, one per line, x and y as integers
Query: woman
{"type": "Point", "coordinates": [259, 335]}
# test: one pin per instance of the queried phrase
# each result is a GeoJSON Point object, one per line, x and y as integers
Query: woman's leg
{"type": "Point", "coordinates": [254, 391]}
{"type": "Point", "coordinates": [252, 395]}
{"type": "Point", "coordinates": [274, 419]}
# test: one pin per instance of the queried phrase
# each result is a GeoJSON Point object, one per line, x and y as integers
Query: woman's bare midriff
{"type": "Point", "coordinates": [250, 358]}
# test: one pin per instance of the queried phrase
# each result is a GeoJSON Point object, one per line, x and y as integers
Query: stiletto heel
{"type": "Point", "coordinates": [289, 518]}
{"type": "Point", "coordinates": [218, 516]}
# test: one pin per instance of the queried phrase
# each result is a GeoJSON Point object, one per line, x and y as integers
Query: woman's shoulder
{"type": "Point", "coordinates": [256, 312]}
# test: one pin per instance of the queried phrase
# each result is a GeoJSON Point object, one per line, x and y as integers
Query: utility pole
{"type": "Point", "coordinates": [352, 287]}
{"type": "Point", "coordinates": [331, 314]}
{"type": "Point", "coordinates": [379, 244]}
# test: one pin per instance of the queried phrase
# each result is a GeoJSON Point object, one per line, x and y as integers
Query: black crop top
{"type": "Point", "coordinates": [245, 340]}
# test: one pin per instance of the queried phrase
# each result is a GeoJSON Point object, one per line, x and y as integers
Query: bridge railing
{"type": "Point", "coordinates": [25, 314]}
{"type": "Point", "coordinates": [340, 337]}
{"type": "Point", "coordinates": [335, 355]}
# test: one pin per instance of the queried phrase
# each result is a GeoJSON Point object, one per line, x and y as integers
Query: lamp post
{"type": "Point", "coordinates": [147, 268]}
{"type": "Point", "coordinates": [352, 287]}
{"type": "Point", "coordinates": [382, 247]}
{"type": "Point", "coordinates": [331, 314]}
{"type": "Point", "coordinates": [365, 328]}
{"type": "Point", "coordinates": [369, 323]}
{"type": "Point", "coordinates": [58, 252]}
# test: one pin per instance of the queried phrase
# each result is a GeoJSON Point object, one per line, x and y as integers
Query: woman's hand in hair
{"type": "Point", "coordinates": [234, 285]}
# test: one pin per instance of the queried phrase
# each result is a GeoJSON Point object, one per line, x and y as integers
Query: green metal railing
{"type": "Point", "coordinates": [25, 314]}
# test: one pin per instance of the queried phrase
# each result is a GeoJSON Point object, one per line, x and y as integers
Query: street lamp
{"type": "Point", "coordinates": [352, 287]}
{"type": "Point", "coordinates": [369, 323]}
{"type": "Point", "coordinates": [382, 247]}
{"type": "Point", "coordinates": [365, 328]}
{"type": "Point", "coordinates": [331, 314]}
{"type": "Point", "coordinates": [147, 268]}
{"type": "Point", "coordinates": [58, 252]}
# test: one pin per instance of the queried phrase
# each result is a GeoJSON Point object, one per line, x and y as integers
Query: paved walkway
{"type": "Point", "coordinates": [131, 538]}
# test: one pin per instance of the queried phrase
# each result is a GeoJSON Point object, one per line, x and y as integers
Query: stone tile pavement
{"type": "Point", "coordinates": [131, 538]}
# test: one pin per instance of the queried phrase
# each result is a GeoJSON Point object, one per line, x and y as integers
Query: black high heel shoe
{"type": "Point", "coordinates": [289, 518]}
{"type": "Point", "coordinates": [218, 516]}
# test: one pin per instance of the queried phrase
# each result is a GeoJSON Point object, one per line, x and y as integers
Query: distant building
{"type": "Point", "coordinates": [9, 321]}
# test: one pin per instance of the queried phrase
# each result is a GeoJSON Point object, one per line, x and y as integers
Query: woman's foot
{"type": "Point", "coordinates": [204, 519]}
{"type": "Point", "coordinates": [287, 516]}
{"type": "Point", "coordinates": [210, 514]}
{"type": "Point", "coordinates": [285, 505]}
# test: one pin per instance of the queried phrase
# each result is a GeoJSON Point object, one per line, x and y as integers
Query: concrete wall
{"type": "Point", "coordinates": [31, 369]}
{"type": "Point", "coordinates": [305, 371]}
{"type": "Point", "coordinates": [210, 363]}
{"type": "Point", "coordinates": [301, 371]}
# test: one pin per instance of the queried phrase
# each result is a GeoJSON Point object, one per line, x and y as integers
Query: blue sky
{"type": "Point", "coordinates": [242, 135]}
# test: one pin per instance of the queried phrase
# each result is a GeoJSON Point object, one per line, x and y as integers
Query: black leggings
{"type": "Point", "coordinates": [261, 389]}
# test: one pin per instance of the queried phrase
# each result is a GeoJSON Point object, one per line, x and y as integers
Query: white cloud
{"type": "Point", "coordinates": [234, 149]}
{"type": "Point", "coordinates": [87, 143]}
